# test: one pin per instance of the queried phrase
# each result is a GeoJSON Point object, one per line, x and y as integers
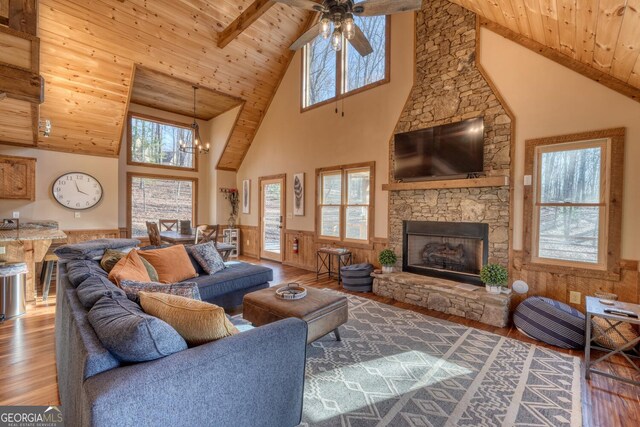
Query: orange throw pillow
{"type": "Point", "coordinates": [172, 263]}
{"type": "Point", "coordinates": [129, 267]}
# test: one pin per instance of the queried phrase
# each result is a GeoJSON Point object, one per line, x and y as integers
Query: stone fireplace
{"type": "Point", "coordinates": [450, 250]}
{"type": "Point", "coordinates": [450, 86]}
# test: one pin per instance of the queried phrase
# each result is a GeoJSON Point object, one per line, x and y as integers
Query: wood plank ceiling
{"type": "Point", "coordinates": [90, 49]}
{"type": "Point", "coordinates": [603, 34]}
{"type": "Point", "coordinates": [163, 92]}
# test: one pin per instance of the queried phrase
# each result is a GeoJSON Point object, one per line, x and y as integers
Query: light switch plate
{"type": "Point", "coordinates": [16, 215]}
{"type": "Point", "coordinates": [575, 297]}
{"type": "Point", "coordinates": [76, 215]}
{"type": "Point", "coordinates": [3, 250]}
{"type": "Point", "coordinates": [527, 180]}
{"type": "Point", "coordinates": [289, 215]}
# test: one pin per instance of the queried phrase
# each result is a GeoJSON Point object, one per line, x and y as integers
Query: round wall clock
{"type": "Point", "coordinates": [77, 190]}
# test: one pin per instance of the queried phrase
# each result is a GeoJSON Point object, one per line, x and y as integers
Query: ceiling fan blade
{"type": "Point", "coordinates": [303, 4]}
{"type": "Point", "coordinates": [385, 7]}
{"type": "Point", "coordinates": [307, 37]}
{"type": "Point", "coordinates": [361, 43]}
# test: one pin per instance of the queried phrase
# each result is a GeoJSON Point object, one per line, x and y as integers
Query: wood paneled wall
{"type": "Point", "coordinates": [250, 243]}
{"type": "Point", "coordinates": [558, 285]}
{"type": "Point", "coordinates": [77, 236]}
{"type": "Point", "coordinates": [307, 247]}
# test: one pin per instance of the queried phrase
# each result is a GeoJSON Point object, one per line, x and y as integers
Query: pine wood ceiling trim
{"type": "Point", "coordinates": [242, 22]}
{"type": "Point", "coordinates": [558, 57]}
{"type": "Point", "coordinates": [597, 38]}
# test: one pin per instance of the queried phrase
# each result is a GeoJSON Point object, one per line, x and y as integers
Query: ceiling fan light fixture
{"type": "Point", "coordinates": [325, 27]}
{"type": "Point", "coordinates": [336, 40]}
{"type": "Point", "coordinates": [348, 27]}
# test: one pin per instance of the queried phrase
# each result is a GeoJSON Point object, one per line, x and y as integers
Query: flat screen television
{"type": "Point", "coordinates": [449, 150]}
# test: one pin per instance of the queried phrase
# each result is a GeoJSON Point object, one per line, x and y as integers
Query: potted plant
{"type": "Point", "coordinates": [494, 277]}
{"type": "Point", "coordinates": [387, 259]}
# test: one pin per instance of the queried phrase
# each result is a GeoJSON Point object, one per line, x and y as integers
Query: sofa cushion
{"type": "Point", "coordinates": [237, 276]}
{"type": "Point", "coordinates": [95, 287]}
{"type": "Point", "coordinates": [197, 322]}
{"type": "Point", "coordinates": [111, 258]}
{"type": "Point", "coordinates": [172, 263]}
{"type": "Point", "coordinates": [79, 270]}
{"type": "Point", "coordinates": [130, 267]}
{"type": "Point", "coordinates": [94, 249]}
{"type": "Point", "coordinates": [207, 256]}
{"type": "Point", "coordinates": [130, 334]}
{"type": "Point", "coordinates": [185, 289]}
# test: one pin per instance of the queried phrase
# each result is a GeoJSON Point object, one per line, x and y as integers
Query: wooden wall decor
{"type": "Point", "coordinates": [597, 38]}
{"type": "Point", "coordinates": [90, 48]}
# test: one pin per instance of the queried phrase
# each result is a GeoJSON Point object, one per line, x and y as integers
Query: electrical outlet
{"type": "Point", "coordinates": [16, 215]}
{"type": "Point", "coordinates": [76, 215]}
{"type": "Point", "coordinates": [248, 242]}
{"type": "Point", "coordinates": [289, 215]}
{"type": "Point", "coordinates": [575, 297]}
{"type": "Point", "coordinates": [2, 250]}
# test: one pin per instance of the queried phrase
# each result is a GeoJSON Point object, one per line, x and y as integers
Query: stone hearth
{"type": "Point", "coordinates": [468, 301]}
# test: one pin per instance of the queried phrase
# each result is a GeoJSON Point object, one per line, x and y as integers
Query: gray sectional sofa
{"type": "Point", "coordinates": [254, 378]}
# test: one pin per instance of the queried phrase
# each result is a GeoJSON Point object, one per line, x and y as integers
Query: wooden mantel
{"type": "Point", "coordinates": [488, 181]}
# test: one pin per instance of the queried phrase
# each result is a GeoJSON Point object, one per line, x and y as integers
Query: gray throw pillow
{"type": "Point", "coordinates": [186, 289]}
{"type": "Point", "coordinates": [130, 334]}
{"type": "Point", "coordinates": [79, 270]}
{"type": "Point", "coordinates": [96, 287]}
{"type": "Point", "coordinates": [94, 249]}
{"type": "Point", "coordinates": [208, 257]}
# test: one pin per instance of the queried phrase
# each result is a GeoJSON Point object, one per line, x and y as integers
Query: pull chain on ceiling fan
{"type": "Point", "coordinates": [338, 15]}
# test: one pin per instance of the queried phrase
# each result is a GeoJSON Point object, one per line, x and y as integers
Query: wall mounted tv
{"type": "Point", "coordinates": [449, 150]}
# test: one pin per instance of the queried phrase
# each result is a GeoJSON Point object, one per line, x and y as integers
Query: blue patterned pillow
{"type": "Point", "coordinates": [208, 257]}
{"type": "Point", "coordinates": [133, 289]}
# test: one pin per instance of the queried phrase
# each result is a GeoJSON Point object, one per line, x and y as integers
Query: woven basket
{"type": "Point", "coordinates": [612, 339]}
{"type": "Point", "coordinates": [606, 295]}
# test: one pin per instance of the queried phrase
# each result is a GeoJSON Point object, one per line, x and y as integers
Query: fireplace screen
{"type": "Point", "coordinates": [450, 250]}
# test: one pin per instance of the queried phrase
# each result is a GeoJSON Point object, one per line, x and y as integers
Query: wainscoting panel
{"type": "Point", "coordinates": [307, 247]}
{"type": "Point", "coordinates": [249, 240]}
{"type": "Point", "coordinates": [559, 285]}
{"type": "Point", "coordinates": [77, 236]}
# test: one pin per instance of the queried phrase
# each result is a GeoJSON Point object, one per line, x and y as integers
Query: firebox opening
{"type": "Point", "coordinates": [451, 250]}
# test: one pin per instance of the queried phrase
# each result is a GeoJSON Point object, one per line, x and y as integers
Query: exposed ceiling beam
{"type": "Point", "coordinates": [562, 59]}
{"type": "Point", "coordinates": [242, 22]}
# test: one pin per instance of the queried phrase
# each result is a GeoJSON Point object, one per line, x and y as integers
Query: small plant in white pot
{"type": "Point", "coordinates": [387, 259]}
{"type": "Point", "coordinates": [494, 277]}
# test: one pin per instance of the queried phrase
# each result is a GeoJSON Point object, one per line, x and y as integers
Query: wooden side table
{"type": "Point", "coordinates": [324, 260]}
{"type": "Point", "coordinates": [596, 309]}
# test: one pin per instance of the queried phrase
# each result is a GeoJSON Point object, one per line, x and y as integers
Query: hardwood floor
{"type": "Point", "coordinates": [28, 373]}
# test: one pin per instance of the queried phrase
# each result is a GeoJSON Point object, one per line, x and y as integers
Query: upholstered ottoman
{"type": "Point", "coordinates": [323, 311]}
{"type": "Point", "coordinates": [357, 277]}
{"type": "Point", "coordinates": [550, 321]}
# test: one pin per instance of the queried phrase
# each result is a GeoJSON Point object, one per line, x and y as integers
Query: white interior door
{"type": "Point", "coordinates": [272, 210]}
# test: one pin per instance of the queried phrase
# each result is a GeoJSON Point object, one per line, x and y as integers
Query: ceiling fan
{"type": "Point", "coordinates": [337, 20]}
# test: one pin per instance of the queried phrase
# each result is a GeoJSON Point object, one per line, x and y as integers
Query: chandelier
{"type": "Point", "coordinates": [197, 145]}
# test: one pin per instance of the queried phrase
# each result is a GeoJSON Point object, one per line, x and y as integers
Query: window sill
{"type": "Point", "coordinates": [573, 271]}
{"type": "Point", "coordinates": [340, 97]}
{"type": "Point", "coordinates": [156, 166]}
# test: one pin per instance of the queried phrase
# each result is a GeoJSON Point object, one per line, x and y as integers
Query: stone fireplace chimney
{"type": "Point", "coordinates": [450, 87]}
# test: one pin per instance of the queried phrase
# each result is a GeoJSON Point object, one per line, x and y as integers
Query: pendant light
{"type": "Point", "coordinates": [196, 145]}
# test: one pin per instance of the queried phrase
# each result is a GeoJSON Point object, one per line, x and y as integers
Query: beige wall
{"type": "Point", "coordinates": [549, 99]}
{"type": "Point", "coordinates": [219, 130]}
{"type": "Point", "coordinates": [215, 131]}
{"type": "Point", "coordinates": [289, 141]}
{"type": "Point", "coordinates": [49, 166]}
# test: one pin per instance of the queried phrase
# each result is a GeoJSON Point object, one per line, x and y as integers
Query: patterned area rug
{"type": "Point", "coordinates": [395, 367]}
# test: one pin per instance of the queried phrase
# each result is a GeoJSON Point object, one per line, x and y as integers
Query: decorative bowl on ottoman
{"type": "Point", "coordinates": [550, 321]}
{"type": "Point", "coordinates": [357, 277]}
